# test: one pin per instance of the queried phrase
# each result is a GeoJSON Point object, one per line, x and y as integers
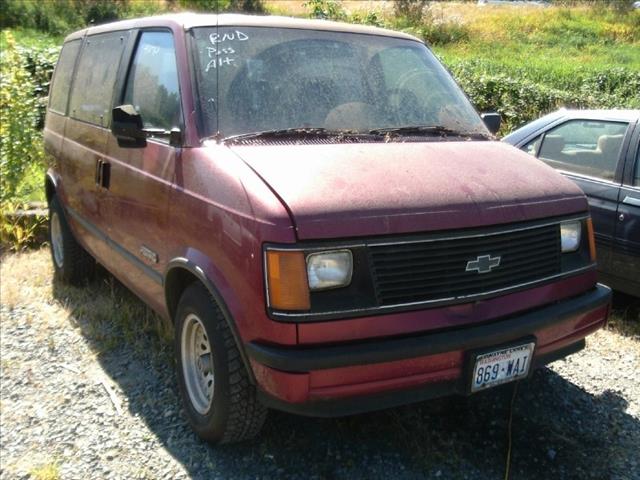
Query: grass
{"type": "Point", "coordinates": [551, 44]}
{"type": "Point", "coordinates": [27, 37]}
{"type": "Point", "coordinates": [108, 313]}
{"type": "Point", "coordinates": [625, 315]}
{"type": "Point", "coordinates": [49, 471]}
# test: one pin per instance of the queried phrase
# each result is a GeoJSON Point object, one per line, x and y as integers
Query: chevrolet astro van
{"type": "Point", "coordinates": [318, 209]}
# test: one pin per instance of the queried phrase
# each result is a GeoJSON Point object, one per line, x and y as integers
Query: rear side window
{"type": "Point", "coordinates": [152, 84]}
{"type": "Point", "coordinates": [95, 77]}
{"type": "Point", "coordinates": [588, 147]}
{"type": "Point", "coordinates": [62, 77]}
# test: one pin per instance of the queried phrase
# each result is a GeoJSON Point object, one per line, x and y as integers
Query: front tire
{"type": "Point", "coordinates": [220, 402]}
{"type": "Point", "coordinates": [71, 263]}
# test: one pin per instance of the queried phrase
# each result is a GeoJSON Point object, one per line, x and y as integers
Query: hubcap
{"type": "Point", "coordinates": [197, 364]}
{"type": "Point", "coordinates": [56, 240]}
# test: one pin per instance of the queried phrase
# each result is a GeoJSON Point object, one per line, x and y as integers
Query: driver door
{"type": "Point", "coordinates": [141, 178]}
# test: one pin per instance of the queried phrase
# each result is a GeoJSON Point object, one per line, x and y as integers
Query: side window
{"type": "Point", "coordinates": [62, 77]}
{"type": "Point", "coordinates": [533, 146]}
{"type": "Point", "coordinates": [152, 84]}
{"type": "Point", "coordinates": [96, 77]}
{"type": "Point", "coordinates": [588, 147]}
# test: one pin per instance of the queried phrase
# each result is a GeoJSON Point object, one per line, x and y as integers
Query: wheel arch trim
{"type": "Point", "coordinates": [50, 184]}
{"type": "Point", "coordinates": [197, 271]}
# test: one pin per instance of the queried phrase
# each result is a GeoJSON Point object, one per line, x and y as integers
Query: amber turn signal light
{"type": "Point", "coordinates": [592, 240]}
{"type": "Point", "coordinates": [287, 280]}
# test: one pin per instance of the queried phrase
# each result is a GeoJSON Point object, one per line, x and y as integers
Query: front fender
{"type": "Point", "coordinates": [246, 319]}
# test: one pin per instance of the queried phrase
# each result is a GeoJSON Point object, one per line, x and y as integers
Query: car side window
{"type": "Point", "coordinates": [587, 147]}
{"type": "Point", "coordinates": [533, 146]}
{"type": "Point", "coordinates": [152, 83]}
{"type": "Point", "coordinates": [62, 77]}
{"type": "Point", "coordinates": [95, 78]}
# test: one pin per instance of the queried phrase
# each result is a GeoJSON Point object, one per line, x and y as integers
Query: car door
{"type": "Point", "coordinates": [86, 133]}
{"type": "Point", "coordinates": [626, 249]}
{"type": "Point", "coordinates": [141, 178]}
{"type": "Point", "coordinates": [588, 151]}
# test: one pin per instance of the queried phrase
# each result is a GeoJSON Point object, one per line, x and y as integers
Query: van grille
{"type": "Point", "coordinates": [424, 270]}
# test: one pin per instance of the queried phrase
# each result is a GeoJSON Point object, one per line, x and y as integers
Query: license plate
{"type": "Point", "coordinates": [501, 366]}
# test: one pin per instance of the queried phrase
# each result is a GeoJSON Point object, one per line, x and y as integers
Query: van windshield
{"type": "Point", "coordinates": [257, 79]}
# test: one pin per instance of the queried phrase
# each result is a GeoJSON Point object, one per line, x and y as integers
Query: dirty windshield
{"type": "Point", "coordinates": [256, 79]}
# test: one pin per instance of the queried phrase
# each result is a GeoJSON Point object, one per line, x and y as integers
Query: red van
{"type": "Point", "coordinates": [320, 211]}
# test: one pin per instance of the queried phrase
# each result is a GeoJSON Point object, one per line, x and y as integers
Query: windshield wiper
{"type": "Point", "coordinates": [390, 132]}
{"type": "Point", "coordinates": [430, 130]}
{"type": "Point", "coordinates": [297, 132]}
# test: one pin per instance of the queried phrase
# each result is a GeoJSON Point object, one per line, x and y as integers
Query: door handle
{"type": "Point", "coordinates": [631, 201]}
{"type": "Point", "coordinates": [103, 173]}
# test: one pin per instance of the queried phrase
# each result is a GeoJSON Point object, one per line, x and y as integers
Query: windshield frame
{"type": "Point", "coordinates": [192, 55]}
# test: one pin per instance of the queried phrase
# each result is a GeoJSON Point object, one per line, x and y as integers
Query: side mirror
{"type": "Point", "coordinates": [126, 126]}
{"type": "Point", "coordinates": [492, 120]}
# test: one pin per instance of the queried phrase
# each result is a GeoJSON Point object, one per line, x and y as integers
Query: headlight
{"type": "Point", "coordinates": [329, 269]}
{"type": "Point", "coordinates": [570, 235]}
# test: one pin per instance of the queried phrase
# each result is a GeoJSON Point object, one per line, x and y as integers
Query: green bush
{"type": "Point", "coordinates": [54, 16]}
{"type": "Point", "coordinates": [410, 11]}
{"type": "Point", "coordinates": [20, 138]}
{"type": "Point", "coordinates": [521, 97]}
{"type": "Point", "coordinates": [251, 6]}
{"type": "Point", "coordinates": [39, 63]}
{"type": "Point", "coordinates": [371, 18]}
{"type": "Point", "coordinates": [60, 17]}
{"type": "Point", "coordinates": [442, 32]}
{"type": "Point", "coordinates": [325, 9]}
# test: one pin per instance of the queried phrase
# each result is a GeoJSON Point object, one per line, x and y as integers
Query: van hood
{"type": "Point", "coordinates": [349, 190]}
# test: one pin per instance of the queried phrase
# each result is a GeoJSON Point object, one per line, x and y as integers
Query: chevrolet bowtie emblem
{"type": "Point", "coordinates": [483, 264]}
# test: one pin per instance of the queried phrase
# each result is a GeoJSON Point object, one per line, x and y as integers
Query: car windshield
{"type": "Point", "coordinates": [259, 79]}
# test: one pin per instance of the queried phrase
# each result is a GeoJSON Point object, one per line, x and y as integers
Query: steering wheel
{"type": "Point", "coordinates": [405, 106]}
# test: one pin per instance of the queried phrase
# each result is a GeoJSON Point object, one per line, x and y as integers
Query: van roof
{"type": "Point", "coordinates": [189, 20]}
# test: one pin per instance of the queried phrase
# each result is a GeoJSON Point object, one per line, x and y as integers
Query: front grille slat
{"type": "Point", "coordinates": [446, 259]}
{"type": "Point", "coordinates": [468, 282]}
{"type": "Point", "coordinates": [463, 242]}
{"type": "Point", "coordinates": [424, 279]}
{"type": "Point", "coordinates": [420, 271]}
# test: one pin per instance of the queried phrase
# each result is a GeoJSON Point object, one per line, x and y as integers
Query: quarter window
{"type": "Point", "coordinates": [587, 147]}
{"type": "Point", "coordinates": [62, 77]}
{"type": "Point", "coordinates": [95, 77]}
{"type": "Point", "coordinates": [533, 146]}
{"type": "Point", "coordinates": [152, 85]}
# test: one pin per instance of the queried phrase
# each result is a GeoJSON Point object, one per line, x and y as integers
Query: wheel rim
{"type": "Point", "coordinates": [56, 240]}
{"type": "Point", "coordinates": [197, 364]}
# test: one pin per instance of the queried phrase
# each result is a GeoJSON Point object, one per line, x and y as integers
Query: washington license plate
{"type": "Point", "coordinates": [501, 366]}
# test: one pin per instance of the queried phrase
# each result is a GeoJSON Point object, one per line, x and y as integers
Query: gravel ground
{"type": "Point", "coordinates": [88, 391]}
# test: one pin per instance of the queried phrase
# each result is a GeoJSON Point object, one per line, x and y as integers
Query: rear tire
{"type": "Point", "coordinates": [72, 264]}
{"type": "Point", "coordinates": [220, 402]}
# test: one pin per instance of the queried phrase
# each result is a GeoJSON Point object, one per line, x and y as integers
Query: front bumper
{"type": "Point", "coordinates": [370, 375]}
